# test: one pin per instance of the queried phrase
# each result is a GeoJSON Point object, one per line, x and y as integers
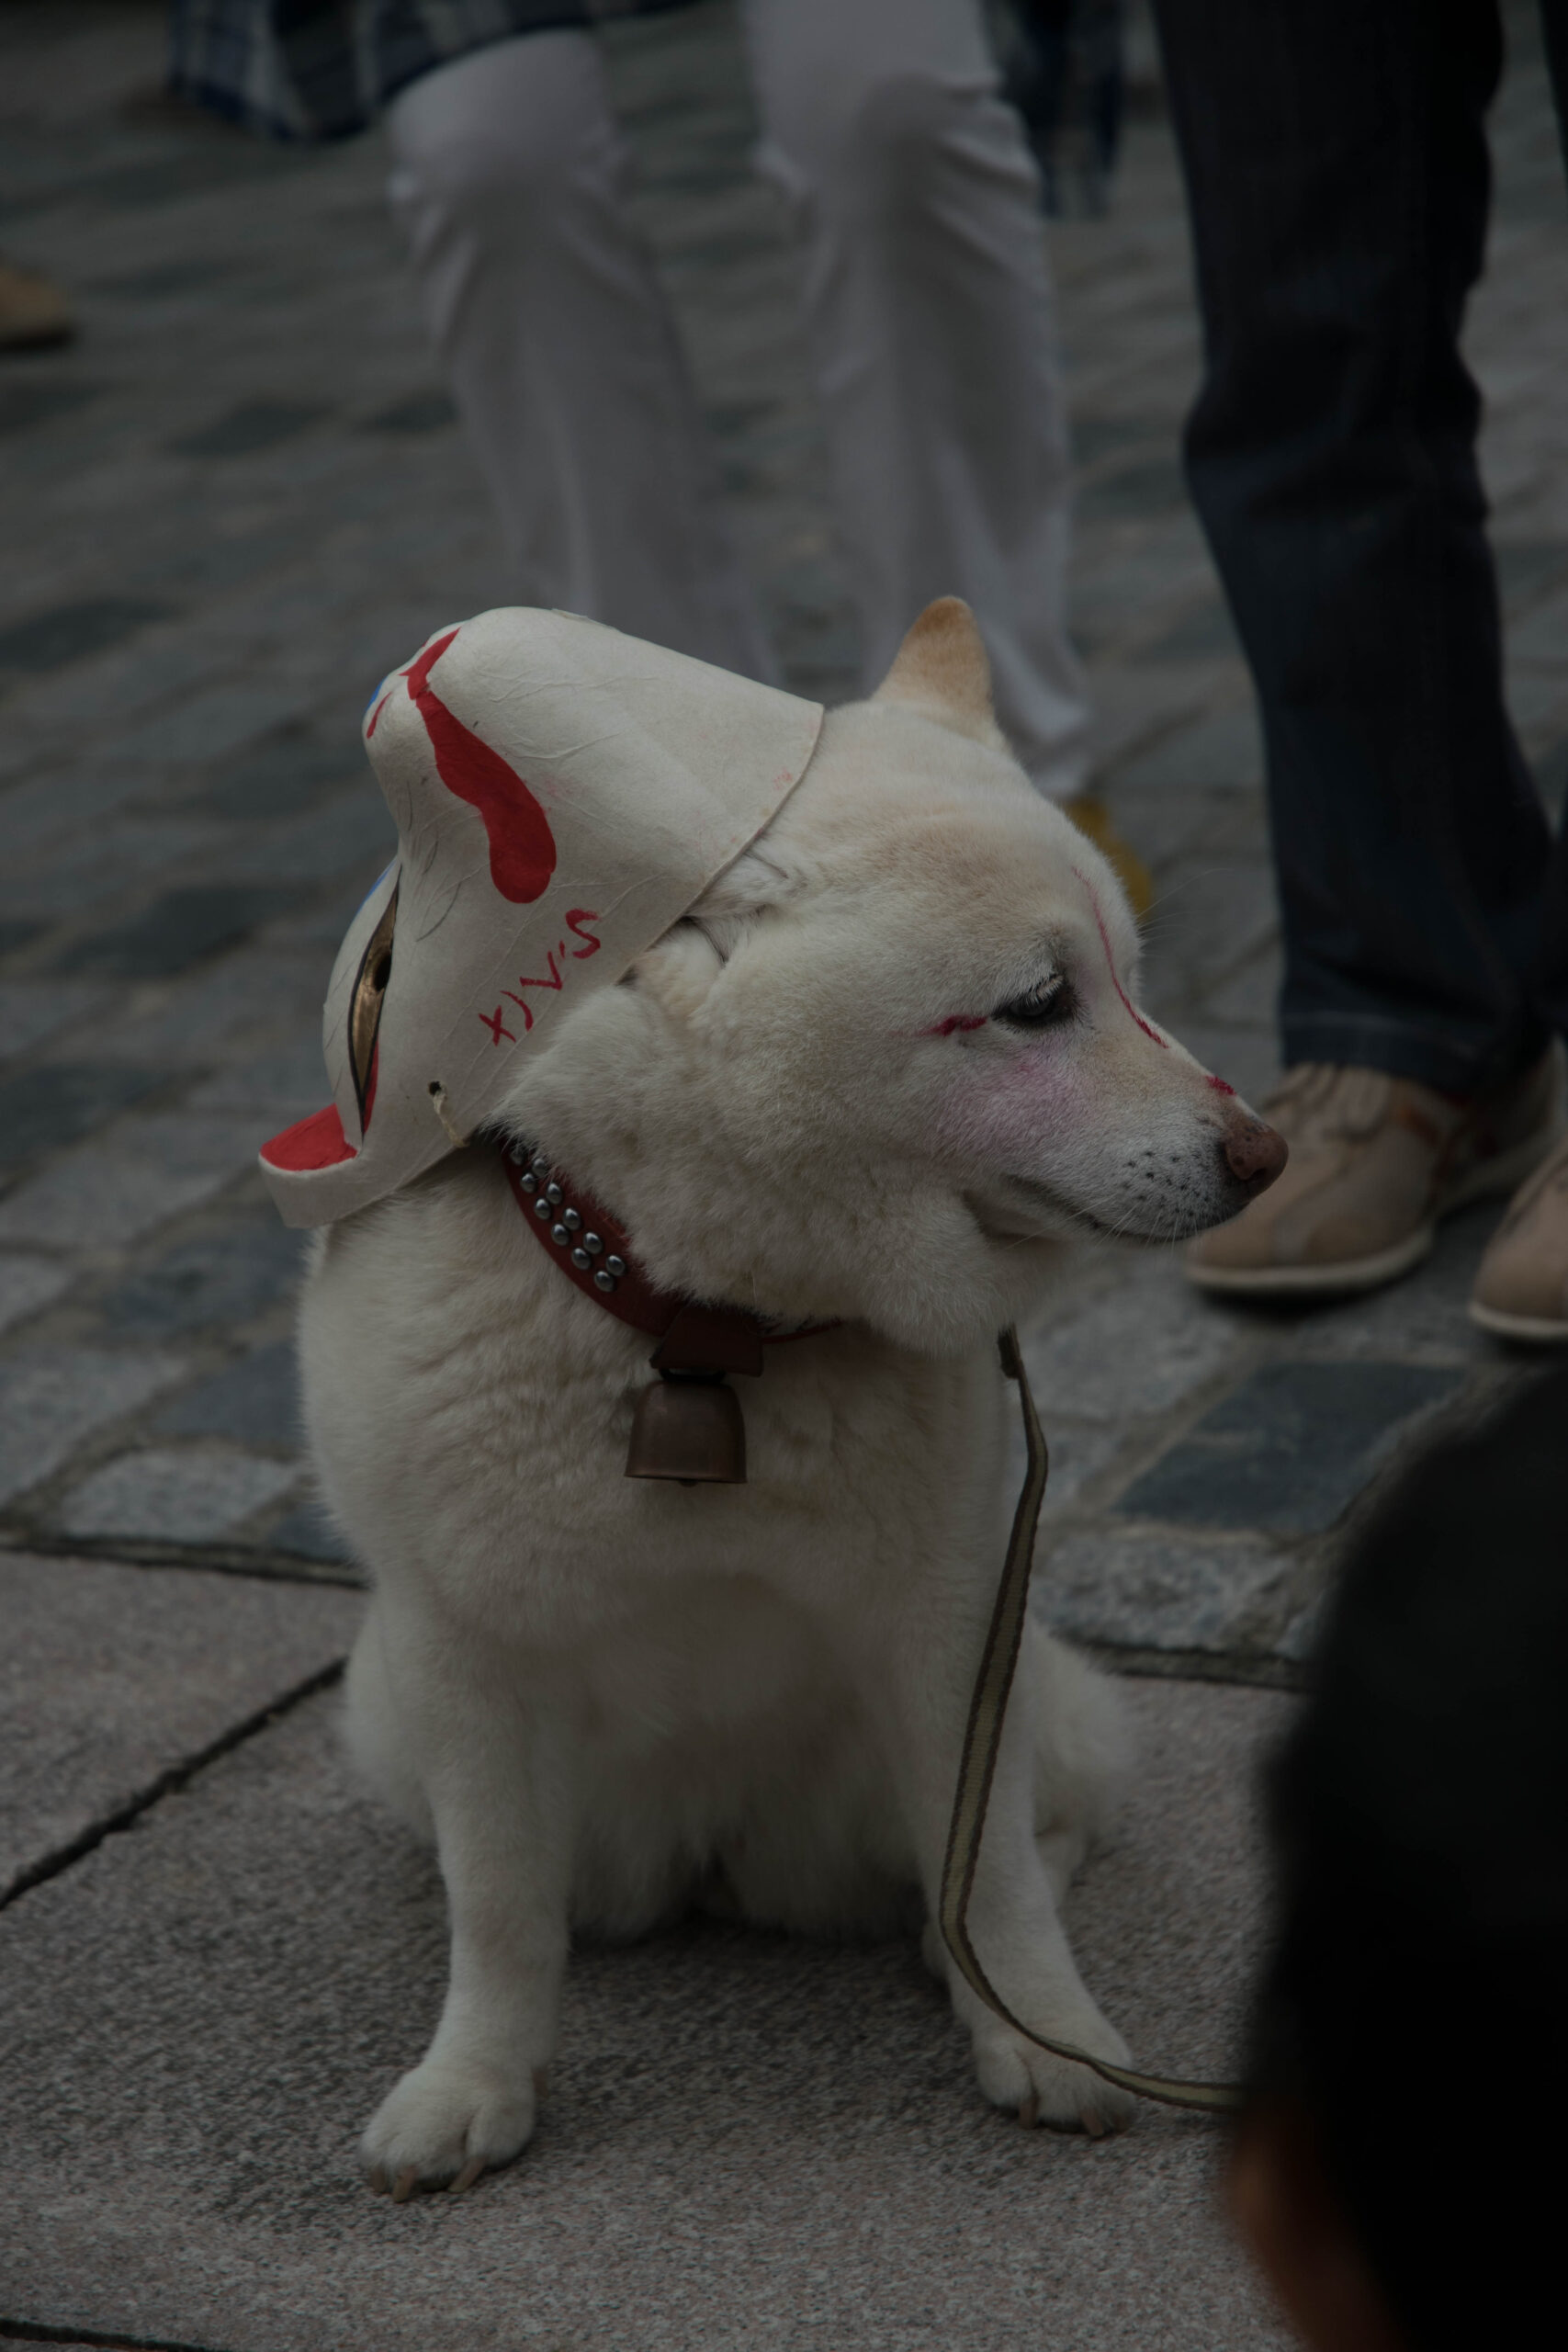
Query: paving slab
{"type": "Point", "coordinates": [111, 1675]}
{"type": "Point", "coordinates": [749, 2139]}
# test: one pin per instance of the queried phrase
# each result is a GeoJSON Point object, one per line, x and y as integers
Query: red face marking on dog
{"type": "Point", "coordinates": [1217, 1083]}
{"type": "Point", "coordinates": [956, 1021]}
{"type": "Point", "coordinates": [522, 846]}
{"type": "Point", "coordinates": [1111, 963]}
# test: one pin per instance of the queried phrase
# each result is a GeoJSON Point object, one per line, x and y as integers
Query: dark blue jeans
{"type": "Point", "coordinates": [1338, 178]}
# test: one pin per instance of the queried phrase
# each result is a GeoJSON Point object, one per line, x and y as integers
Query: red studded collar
{"type": "Point", "coordinates": [593, 1251]}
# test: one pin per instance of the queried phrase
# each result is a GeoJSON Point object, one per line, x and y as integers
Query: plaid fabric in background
{"type": "Point", "coordinates": [322, 69]}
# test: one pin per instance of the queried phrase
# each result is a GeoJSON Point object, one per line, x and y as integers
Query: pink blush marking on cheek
{"type": "Point", "coordinates": [1002, 1110]}
{"type": "Point", "coordinates": [956, 1021]}
{"type": "Point", "coordinates": [1217, 1083]}
{"type": "Point", "coordinates": [1133, 1013]}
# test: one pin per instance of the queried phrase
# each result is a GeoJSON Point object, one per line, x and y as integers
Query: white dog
{"type": "Point", "coordinates": [891, 1064]}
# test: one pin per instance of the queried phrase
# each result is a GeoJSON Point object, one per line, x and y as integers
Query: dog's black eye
{"type": "Point", "coordinates": [1047, 1001]}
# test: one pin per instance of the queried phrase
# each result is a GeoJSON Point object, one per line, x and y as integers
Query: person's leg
{"type": "Point", "coordinates": [929, 306]}
{"type": "Point", "coordinates": [507, 171]}
{"type": "Point", "coordinates": [1339, 177]}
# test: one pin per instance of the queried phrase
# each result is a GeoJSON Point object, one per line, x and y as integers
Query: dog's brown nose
{"type": "Point", "coordinates": [1256, 1153]}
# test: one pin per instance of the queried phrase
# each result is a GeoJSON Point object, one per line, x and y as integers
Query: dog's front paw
{"type": "Point", "coordinates": [445, 2123]}
{"type": "Point", "coordinates": [1039, 2088]}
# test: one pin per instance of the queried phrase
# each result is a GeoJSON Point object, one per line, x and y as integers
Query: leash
{"type": "Point", "coordinates": [700, 1344]}
{"type": "Point", "coordinates": [977, 1766]}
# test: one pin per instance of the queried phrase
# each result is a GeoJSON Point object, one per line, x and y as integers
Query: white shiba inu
{"type": "Point", "coordinates": [890, 1064]}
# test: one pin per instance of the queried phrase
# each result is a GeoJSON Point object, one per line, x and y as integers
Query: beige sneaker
{"type": "Point", "coordinates": [33, 313]}
{"type": "Point", "coordinates": [1374, 1162]}
{"type": "Point", "coordinates": [1521, 1287]}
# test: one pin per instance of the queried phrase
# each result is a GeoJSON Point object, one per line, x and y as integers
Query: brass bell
{"type": "Point", "coordinates": [688, 1426]}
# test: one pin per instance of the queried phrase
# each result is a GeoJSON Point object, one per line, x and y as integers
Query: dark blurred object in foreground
{"type": "Point", "coordinates": [33, 313]}
{"type": "Point", "coordinates": [1419, 1814]}
{"type": "Point", "coordinates": [1065, 71]}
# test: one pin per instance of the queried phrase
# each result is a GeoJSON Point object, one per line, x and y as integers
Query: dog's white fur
{"type": "Point", "coordinates": [608, 1699]}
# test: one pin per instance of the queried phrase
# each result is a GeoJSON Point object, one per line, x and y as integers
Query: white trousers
{"type": "Point", "coordinates": [928, 312]}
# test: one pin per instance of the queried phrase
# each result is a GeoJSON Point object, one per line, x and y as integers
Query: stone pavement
{"type": "Point", "coordinates": [228, 509]}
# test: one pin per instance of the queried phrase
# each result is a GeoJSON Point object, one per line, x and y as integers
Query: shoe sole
{"type": "Point", "coordinates": [1340, 1282]}
{"type": "Point", "coordinates": [1485, 1182]}
{"type": "Point", "coordinates": [1536, 1330]}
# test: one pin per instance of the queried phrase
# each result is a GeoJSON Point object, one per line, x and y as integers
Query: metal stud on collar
{"type": "Point", "coordinates": [551, 1206]}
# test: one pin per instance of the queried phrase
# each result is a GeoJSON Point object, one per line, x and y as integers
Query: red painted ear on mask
{"type": "Point", "coordinates": [522, 846]}
{"type": "Point", "coordinates": [316, 1142]}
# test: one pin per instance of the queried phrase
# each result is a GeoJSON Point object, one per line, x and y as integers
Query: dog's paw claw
{"type": "Point", "coordinates": [446, 2123]}
{"type": "Point", "coordinates": [1039, 2088]}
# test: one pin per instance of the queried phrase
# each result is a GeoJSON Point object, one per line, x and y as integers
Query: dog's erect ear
{"type": "Point", "coordinates": [942, 670]}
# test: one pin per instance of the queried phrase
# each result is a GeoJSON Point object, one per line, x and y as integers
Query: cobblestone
{"type": "Point", "coordinates": [50, 1399]}
{"type": "Point", "coordinates": [1288, 1451]}
{"type": "Point", "coordinates": [26, 1285]}
{"type": "Point", "coordinates": [56, 1103]}
{"type": "Point", "coordinates": [175, 1495]}
{"type": "Point", "coordinates": [227, 1275]}
{"type": "Point", "coordinates": [252, 1401]}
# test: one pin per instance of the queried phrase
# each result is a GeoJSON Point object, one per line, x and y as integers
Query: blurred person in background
{"type": "Point", "coordinates": [1398, 2170]}
{"type": "Point", "coordinates": [1338, 178]}
{"type": "Point", "coordinates": [1066, 73]}
{"type": "Point", "coordinates": [928, 310]}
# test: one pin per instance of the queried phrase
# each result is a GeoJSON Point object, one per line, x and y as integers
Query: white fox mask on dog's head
{"type": "Point", "coordinates": [879, 1033]}
{"type": "Point", "coordinates": [562, 794]}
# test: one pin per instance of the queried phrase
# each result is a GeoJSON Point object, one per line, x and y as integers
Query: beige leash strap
{"type": "Point", "coordinates": [978, 1764]}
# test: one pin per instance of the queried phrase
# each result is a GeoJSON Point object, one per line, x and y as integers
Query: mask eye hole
{"type": "Point", "coordinates": [365, 1007]}
{"type": "Point", "coordinates": [1048, 1002]}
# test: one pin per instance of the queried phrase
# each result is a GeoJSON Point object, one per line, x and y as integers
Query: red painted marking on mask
{"type": "Point", "coordinates": [497, 1027]}
{"type": "Point", "coordinates": [370, 727]}
{"type": "Point", "coordinates": [522, 846]}
{"type": "Point", "coordinates": [1110, 964]}
{"type": "Point", "coordinates": [1217, 1083]}
{"type": "Point", "coordinates": [957, 1020]}
{"type": "Point", "coordinates": [575, 919]}
{"type": "Point", "coordinates": [524, 982]}
{"type": "Point", "coordinates": [316, 1142]}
